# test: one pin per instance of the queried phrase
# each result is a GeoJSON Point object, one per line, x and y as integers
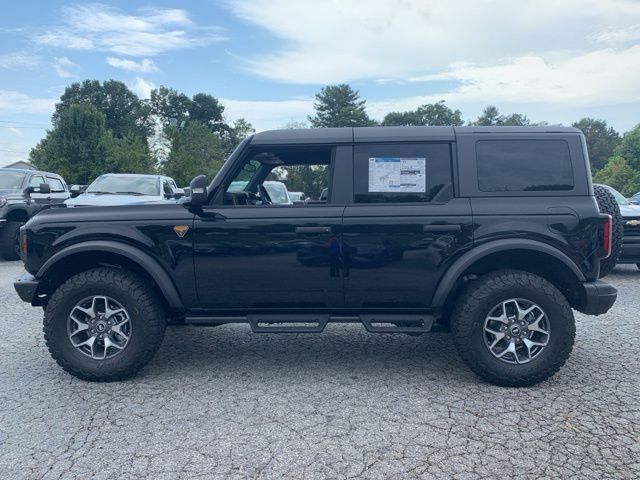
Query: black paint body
{"type": "Point", "coordinates": [339, 257]}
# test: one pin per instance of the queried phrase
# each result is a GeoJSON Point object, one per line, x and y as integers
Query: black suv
{"type": "Point", "coordinates": [493, 233]}
{"type": "Point", "coordinates": [23, 193]}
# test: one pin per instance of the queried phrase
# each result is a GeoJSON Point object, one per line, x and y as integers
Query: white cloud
{"type": "Point", "coordinates": [19, 60]}
{"type": "Point", "coordinates": [142, 87]}
{"type": "Point", "coordinates": [106, 28]}
{"type": "Point", "coordinates": [267, 115]}
{"type": "Point", "coordinates": [340, 40]}
{"type": "Point", "coordinates": [615, 36]}
{"type": "Point", "coordinates": [63, 67]}
{"type": "Point", "coordinates": [146, 65]}
{"type": "Point", "coordinates": [16, 102]}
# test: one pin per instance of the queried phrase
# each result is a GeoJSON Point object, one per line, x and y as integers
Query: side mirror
{"type": "Point", "coordinates": [199, 195]}
{"type": "Point", "coordinates": [45, 188]}
{"type": "Point", "coordinates": [76, 190]}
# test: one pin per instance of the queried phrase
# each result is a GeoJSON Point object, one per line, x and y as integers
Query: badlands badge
{"type": "Point", "coordinates": [181, 230]}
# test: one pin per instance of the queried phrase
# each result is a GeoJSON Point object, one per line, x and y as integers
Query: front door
{"type": "Point", "coordinates": [256, 249]}
{"type": "Point", "coordinates": [403, 227]}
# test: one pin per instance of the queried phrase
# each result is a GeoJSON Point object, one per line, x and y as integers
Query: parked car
{"type": "Point", "coordinates": [297, 197]}
{"type": "Point", "coordinates": [127, 189]}
{"type": "Point", "coordinates": [276, 191]}
{"type": "Point", "coordinates": [492, 232]}
{"type": "Point", "coordinates": [630, 251]}
{"type": "Point", "coordinates": [23, 193]}
{"type": "Point", "coordinates": [635, 199]}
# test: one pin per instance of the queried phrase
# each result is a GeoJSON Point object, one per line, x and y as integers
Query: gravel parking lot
{"type": "Point", "coordinates": [225, 403]}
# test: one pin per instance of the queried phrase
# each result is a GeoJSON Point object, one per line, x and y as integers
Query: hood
{"type": "Point", "coordinates": [10, 193]}
{"type": "Point", "coordinates": [106, 200]}
{"type": "Point", "coordinates": [630, 210]}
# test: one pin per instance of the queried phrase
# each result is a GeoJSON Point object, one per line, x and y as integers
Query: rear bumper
{"type": "Point", "coordinates": [630, 252]}
{"type": "Point", "coordinates": [597, 297]}
{"type": "Point", "coordinates": [27, 288]}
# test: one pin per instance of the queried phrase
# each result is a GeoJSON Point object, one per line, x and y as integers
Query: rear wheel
{"type": "Point", "coordinates": [607, 204]}
{"type": "Point", "coordinates": [9, 240]}
{"type": "Point", "coordinates": [104, 324]}
{"type": "Point", "coordinates": [513, 328]}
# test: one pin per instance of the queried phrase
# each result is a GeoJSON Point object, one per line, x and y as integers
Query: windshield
{"type": "Point", "coordinates": [122, 184]}
{"type": "Point", "coordinates": [11, 180]}
{"type": "Point", "coordinates": [620, 200]}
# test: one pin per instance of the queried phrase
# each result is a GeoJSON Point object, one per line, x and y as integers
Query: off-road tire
{"type": "Point", "coordinates": [607, 204]}
{"type": "Point", "coordinates": [9, 249]}
{"type": "Point", "coordinates": [476, 302]}
{"type": "Point", "coordinates": [148, 321]}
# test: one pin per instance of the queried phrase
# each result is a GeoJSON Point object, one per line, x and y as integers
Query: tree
{"type": "Point", "coordinates": [195, 150]}
{"type": "Point", "coordinates": [629, 148]}
{"type": "Point", "coordinates": [491, 116]}
{"type": "Point", "coordinates": [601, 140]}
{"type": "Point", "coordinates": [620, 175]}
{"type": "Point", "coordinates": [74, 147]}
{"type": "Point", "coordinates": [124, 113]}
{"type": "Point", "coordinates": [429, 114]}
{"type": "Point", "coordinates": [339, 106]}
{"type": "Point", "coordinates": [128, 154]}
{"type": "Point", "coordinates": [207, 110]}
{"type": "Point", "coordinates": [238, 131]}
{"type": "Point", "coordinates": [169, 106]}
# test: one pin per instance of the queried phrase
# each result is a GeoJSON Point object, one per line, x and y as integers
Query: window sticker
{"type": "Point", "coordinates": [395, 174]}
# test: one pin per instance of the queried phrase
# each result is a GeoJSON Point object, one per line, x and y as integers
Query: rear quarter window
{"type": "Point", "coordinates": [523, 165]}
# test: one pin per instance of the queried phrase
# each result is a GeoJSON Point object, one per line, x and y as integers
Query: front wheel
{"type": "Point", "coordinates": [104, 324]}
{"type": "Point", "coordinates": [513, 328]}
{"type": "Point", "coordinates": [9, 240]}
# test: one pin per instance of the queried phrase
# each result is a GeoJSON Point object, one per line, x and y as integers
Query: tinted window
{"type": "Point", "coordinates": [55, 184]}
{"type": "Point", "coordinates": [36, 180]}
{"type": "Point", "coordinates": [402, 173]}
{"type": "Point", "coordinates": [523, 165]}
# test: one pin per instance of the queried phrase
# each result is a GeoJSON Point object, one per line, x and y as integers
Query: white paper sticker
{"type": "Point", "coordinates": [395, 174]}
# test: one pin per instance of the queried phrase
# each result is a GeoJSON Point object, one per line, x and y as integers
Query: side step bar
{"type": "Point", "coordinates": [316, 323]}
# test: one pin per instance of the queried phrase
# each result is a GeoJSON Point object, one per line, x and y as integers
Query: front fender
{"type": "Point", "coordinates": [145, 261]}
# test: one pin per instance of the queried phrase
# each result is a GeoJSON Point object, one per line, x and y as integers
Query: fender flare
{"type": "Point", "coordinates": [145, 261]}
{"type": "Point", "coordinates": [449, 279]}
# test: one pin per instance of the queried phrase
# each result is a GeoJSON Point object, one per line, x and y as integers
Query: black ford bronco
{"type": "Point", "coordinates": [23, 193]}
{"type": "Point", "coordinates": [492, 233]}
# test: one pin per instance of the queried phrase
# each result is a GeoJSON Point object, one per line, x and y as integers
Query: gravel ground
{"type": "Point", "coordinates": [225, 403]}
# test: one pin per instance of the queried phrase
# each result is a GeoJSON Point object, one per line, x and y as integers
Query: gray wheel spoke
{"type": "Point", "coordinates": [516, 330]}
{"type": "Point", "coordinates": [99, 327]}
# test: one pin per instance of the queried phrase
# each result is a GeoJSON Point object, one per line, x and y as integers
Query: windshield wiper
{"type": "Point", "coordinates": [100, 192]}
{"type": "Point", "coordinates": [130, 193]}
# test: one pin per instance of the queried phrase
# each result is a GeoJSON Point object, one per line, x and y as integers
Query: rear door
{"type": "Point", "coordinates": [404, 225]}
{"type": "Point", "coordinates": [59, 192]}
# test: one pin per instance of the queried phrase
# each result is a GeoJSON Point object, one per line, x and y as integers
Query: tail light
{"type": "Point", "coordinates": [607, 239]}
{"type": "Point", "coordinates": [23, 240]}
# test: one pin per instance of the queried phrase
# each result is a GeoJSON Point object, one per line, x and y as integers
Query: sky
{"type": "Point", "coordinates": [553, 60]}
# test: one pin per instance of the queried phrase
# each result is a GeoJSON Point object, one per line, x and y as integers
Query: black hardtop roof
{"type": "Point", "coordinates": [387, 134]}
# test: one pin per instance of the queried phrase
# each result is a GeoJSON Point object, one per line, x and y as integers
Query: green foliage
{"type": "Point", "coordinates": [195, 150]}
{"type": "Point", "coordinates": [629, 148]}
{"type": "Point", "coordinates": [310, 179]}
{"type": "Point", "coordinates": [601, 140]}
{"type": "Point", "coordinates": [128, 154]}
{"type": "Point", "coordinates": [74, 147]}
{"type": "Point", "coordinates": [339, 106]}
{"type": "Point", "coordinates": [620, 175]}
{"type": "Point", "coordinates": [491, 116]}
{"type": "Point", "coordinates": [124, 112]}
{"type": "Point", "coordinates": [429, 114]}
{"type": "Point", "coordinates": [169, 106]}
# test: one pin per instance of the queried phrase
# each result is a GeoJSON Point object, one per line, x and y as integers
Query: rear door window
{"type": "Point", "coordinates": [402, 173]}
{"type": "Point", "coordinates": [56, 185]}
{"type": "Point", "coordinates": [523, 165]}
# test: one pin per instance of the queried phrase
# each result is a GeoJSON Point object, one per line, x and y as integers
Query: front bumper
{"type": "Point", "coordinates": [27, 288]}
{"type": "Point", "coordinates": [597, 297]}
{"type": "Point", "coordinates": [630, 252]}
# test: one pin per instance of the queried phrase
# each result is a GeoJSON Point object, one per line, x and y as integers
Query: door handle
{"type": "Point", "coordinates": [441, 228]}
{"type": "Point", "coordinates": [324, 229]}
